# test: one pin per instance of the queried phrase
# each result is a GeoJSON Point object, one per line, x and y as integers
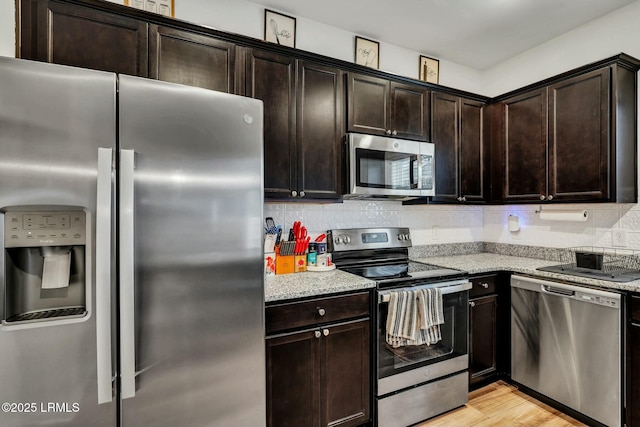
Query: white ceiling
{"type": "Point", "coordinates": [475, 33]}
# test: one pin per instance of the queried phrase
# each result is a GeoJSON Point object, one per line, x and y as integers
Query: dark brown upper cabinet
{"type": "Point", "coordinates": [84, 37]}
{"type": "Point", "coordinates": [525, 147]}
{"type": "Point", "coordinates": [184, 57]}
{"type": "Point", "coordinates": [303, 125]}
{"type": "Point", "coordinates": [457, 131]}
{"type": "Point", "coordinates": [573, 140]}
{"type": "Point", "coordinates": [379, 106]}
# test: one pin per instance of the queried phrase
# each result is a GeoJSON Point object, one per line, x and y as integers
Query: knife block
{"type": "Point", "coordinates": [300, 263]}
{"type": "Point", "coordinates": [285, 264]}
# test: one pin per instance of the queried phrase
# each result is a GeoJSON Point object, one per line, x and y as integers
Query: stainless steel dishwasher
{"type": "Point", "coordinates": [566, 344]}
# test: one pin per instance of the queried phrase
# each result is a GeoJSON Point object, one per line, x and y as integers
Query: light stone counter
{"type": "Point", "coordinates": [310, 284]}
{"type": "Point", "coordinates": [488, 262]}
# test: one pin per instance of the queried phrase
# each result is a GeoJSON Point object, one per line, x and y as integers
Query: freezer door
{"type": "Point", "coordinates": [191, 263]}
{"type": "Point", "coordinates": [53, 120]}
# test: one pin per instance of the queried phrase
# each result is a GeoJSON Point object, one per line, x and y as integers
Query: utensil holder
{"type": "Point", "coordinates": [300, 263]}
{"type": "Point", "coordinates": [285, 264]}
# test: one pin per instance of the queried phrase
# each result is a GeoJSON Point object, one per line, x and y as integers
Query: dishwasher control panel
{"type": "Point", "coordinates": [598, 299]}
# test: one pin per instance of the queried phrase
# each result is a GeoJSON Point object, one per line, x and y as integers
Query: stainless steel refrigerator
{"type": "Point", "coordinates": [132, 269]}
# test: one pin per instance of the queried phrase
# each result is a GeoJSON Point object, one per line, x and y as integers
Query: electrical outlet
{"type": "Point", "coordinates": [619, 238]}
{"type": "Point", "coordinates": [435, 232]}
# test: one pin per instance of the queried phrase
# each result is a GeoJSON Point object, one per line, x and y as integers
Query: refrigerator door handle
{"type": "Point", "coordinates": [103, 276]}
{"type": "Point", "coordinates": [127, 276]}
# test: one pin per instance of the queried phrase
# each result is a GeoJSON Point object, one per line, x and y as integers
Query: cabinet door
{"type": "Point", "coordinates": [187, 58]}
{"type": "Point", "coordinates": [409, 111]}
{"type": "Point", "coordinates": [368, 104]}
{"type": "Point", "coordinates": [525, 147]}
{"type": "Point", "coordinates": [473, 170]}
{"type": "Point", "coordinates": [444, 134]}
{"type": "Point", "coordinates": [88, 38]}
{"type": "Point", "coordinates": [633, 386]}
{"type": "Point", "coordinates": [320, 130]}
{"type": "Point", "coordinates": [293, 381]}
{"type": "Point", "coordinates": [579, 157]}
{"type": "Point", "coordinates": [482, 340]}
{"type": "Point", "coordinates": [345, 373]}
{"type": "Point", "coordinates": [272, 78]}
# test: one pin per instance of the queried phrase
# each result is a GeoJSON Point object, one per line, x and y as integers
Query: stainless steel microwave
{"type": "Point", "coordinates": [379, 166]}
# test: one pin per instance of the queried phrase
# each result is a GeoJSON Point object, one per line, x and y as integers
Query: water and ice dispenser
{"type": "Point", "coordinates": [45, 273]}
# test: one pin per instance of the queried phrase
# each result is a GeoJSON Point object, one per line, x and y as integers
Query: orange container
{"type": "Point", "coordinates": [285, 264]}
{"type": "Point", "coordinates": [300, 263]}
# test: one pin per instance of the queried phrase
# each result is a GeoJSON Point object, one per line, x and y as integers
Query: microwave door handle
{"type": "Point", "coordinates": [419, 161]}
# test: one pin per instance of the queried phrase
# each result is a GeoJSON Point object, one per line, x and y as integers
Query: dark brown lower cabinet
{"type": "Point", "coordinates": [319, 377]}
{"type": "Point", "coordinates": [633, 364]}
{"type": "Point", "coordinates": [483, 314]}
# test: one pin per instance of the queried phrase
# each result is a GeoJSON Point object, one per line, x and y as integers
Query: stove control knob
{"type": "Point", "coordinates": [338, 240]}
{"type": "Point", "coordinates": [346, 239]}
{"type": "Point", "coordinates": [407, 236]}
{"type": "Point", "coordinates": [401, 237]}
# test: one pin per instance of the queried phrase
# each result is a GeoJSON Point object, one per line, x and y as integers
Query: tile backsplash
{"type": "Point", "coordinates": [438, 224]}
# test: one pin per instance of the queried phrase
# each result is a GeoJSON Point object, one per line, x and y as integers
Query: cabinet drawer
{"type": "Point", "coordinates": [635, 308]}
{"type": "Point", "coordinates": [312, 312]}
{"type": "Point", "coordinates": [483, 285]}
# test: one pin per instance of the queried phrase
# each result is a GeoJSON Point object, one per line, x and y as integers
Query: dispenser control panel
{"type": "Point", "coordinates": [57, 228]}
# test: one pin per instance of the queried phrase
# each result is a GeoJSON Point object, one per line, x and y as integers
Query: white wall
{"type": "Point", "coordinates": [7, 28]}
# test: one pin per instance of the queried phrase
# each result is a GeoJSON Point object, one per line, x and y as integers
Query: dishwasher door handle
{"type": "Point", "coordinates": [557, 291]}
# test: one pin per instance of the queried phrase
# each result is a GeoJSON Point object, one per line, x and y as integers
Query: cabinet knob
{"type": "Point", "coordinates": [550, 197]}
{"type": "Point", "coordinates": [459, 199]}
{"type": "Point", "coordinates": [542, 197]}
{"type": "Point", "coordinates": [388, 132]}
{"type": "Point", "coordinates": [484, 285]}
{"type": "Point", "coordinates": [472, 303]}
{"type": "Point", "coordinates": [294, 193]}
{"type": "Point", "coordinates": [394, 133]}
{"type": "Point", "coordinates": [302, 194]}
{"type": "Point", "coordinates": [317, 334]}
{"type": "Point", "coordinates": [325, 332]}
{"type": "Point", "coordinates": [321, 312]}
{"type": "Point", "coordinates": [464, 198]}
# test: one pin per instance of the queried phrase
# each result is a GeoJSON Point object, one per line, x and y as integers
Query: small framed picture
{"type": "Point", "coordinates": [279, 28]}
{"type": "Point", "coordinates": [163, 7]}
{"type": "Point", "coordinates": [429, 69]}
{"type": "Point", "coordinates": [367, 53]}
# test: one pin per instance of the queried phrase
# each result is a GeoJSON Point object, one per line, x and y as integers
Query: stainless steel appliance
{"type": "Point", "coordinates": [566, 344]}
{"type": "Point", "coordinates": [132, 273]}
{"type": "Point", "coordinates": [414, 382]}
{"type": "Point", "coordinates": [388, 167]}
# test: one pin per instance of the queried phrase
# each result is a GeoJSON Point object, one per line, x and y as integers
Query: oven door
{"type": "Point", "coordinates": [384, 166]}
{"type": "Point", "coordinates": [406, 366]}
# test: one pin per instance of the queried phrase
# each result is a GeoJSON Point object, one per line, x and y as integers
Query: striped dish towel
{"type": "Point", "coordinates": [414, 317]}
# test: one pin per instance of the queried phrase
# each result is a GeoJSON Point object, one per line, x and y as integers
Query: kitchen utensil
{"type": "Point", "coordinates": [320, 238]}
{"type": "Point", "coordinates": [271, 226]}
{"type": "Point", "coordinates": [278, 236]}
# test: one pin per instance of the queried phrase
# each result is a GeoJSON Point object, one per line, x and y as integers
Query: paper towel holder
{"type": "Point", "coordinates": [575, 215]}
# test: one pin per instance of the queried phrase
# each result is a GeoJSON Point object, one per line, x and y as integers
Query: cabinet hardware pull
{"type": "Point", "coordinates": [317, 334]}
{"type": "Point", "coordinates": [321, 311]}
{"type": "Point", "coordinates": [542, 197]}
{"type": "Point", "coordinates": [550, 197]}
{"type": "Point", "coordinates": [388, 132]}
{"type": "Point", "coordinates": [484, 285]}
{"type": "Point", "coordinates": [459, 199]}
{"type": "Point", "coordinates": [294, 193]}
{"type": "Point", "coordinates": [302, 194]}
{"type": "Point", "coordinates": [464, 198]}
{"type": "Point", "coordinates": [325, 332]}
{"type": "Point", "coordinates": [472, 303]}
{"type": "Point", "coordinates": [394, 133]}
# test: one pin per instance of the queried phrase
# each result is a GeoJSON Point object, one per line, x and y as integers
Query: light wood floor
{"type": "Point", "coordinates": [502, 405]}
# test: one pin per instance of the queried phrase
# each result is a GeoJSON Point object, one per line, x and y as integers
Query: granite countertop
{"type": "Point", "coordinates": [489, 262]}
{"type": "Point", "coordinates": [309, 284]}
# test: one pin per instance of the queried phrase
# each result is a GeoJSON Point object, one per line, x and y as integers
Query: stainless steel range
{"type": "Point", "coordinates": [419, 380]}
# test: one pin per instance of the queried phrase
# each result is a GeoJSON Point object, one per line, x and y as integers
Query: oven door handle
{"type": "Point", "coordinates": [445, 287]}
